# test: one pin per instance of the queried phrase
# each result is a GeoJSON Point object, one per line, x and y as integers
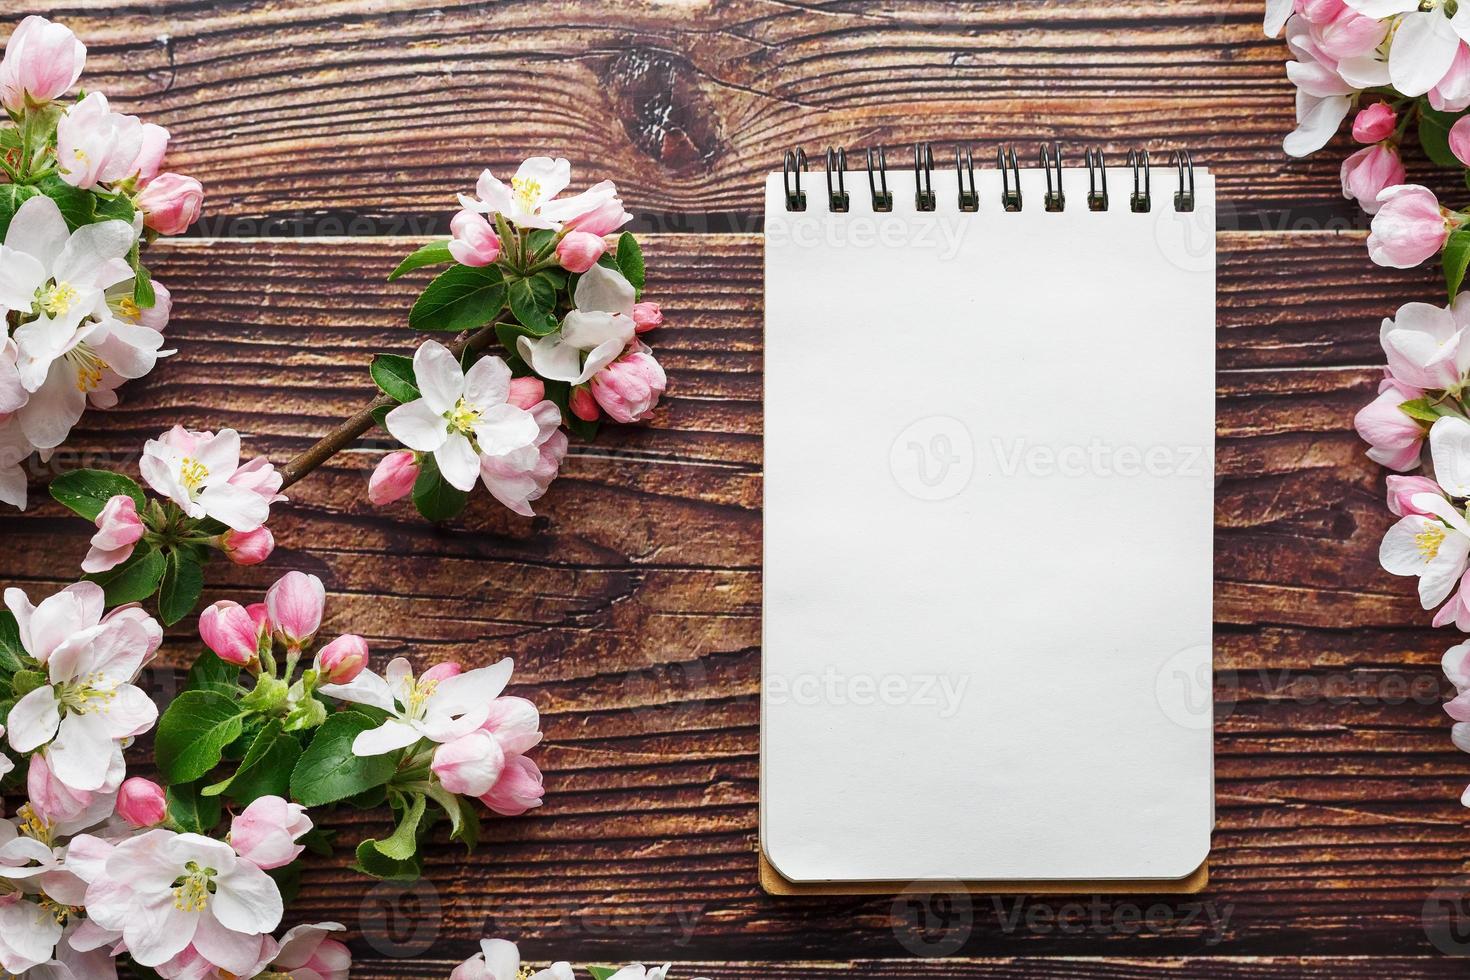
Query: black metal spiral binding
{"type": "Point", "coordinates": [837, 199]}
{"type": "Point", "coordinates": [1056, 199]}
{"type": "Point", "coordinates": [794, 167]}
{"type": "Point", "coordinates": [1007, 161]}
{"type": "Point", "coordinates": [1097, 176]}
{"type": "Point", "coordinates": [882, 199]}
{"type": "Point", "coordinates": [1010, 178]}
{"type": "Point", "coordinates": [969, 199]}
{"type": "Point", "coordinates": [1141, 202]}
{"type": "Point", "coordinates": [923, 177]}
{"type": "Point", "coordinates": [1184, 199]}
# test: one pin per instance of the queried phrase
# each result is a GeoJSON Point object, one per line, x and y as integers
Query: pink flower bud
{"type": "Point", "coordinates": [469, 765]}
{"type": "Point", "coordinates": [1460, 140]}
{"type": "Point", "coordinates": [393, 478]}
{"type": "Point", "coordinates": [1375, 123]}
{"type": "Point", "coordinates": [261, 617]}
{"type": "Point", "coordinates": [583, 405]}
{"type": "Point", "coordinates": [171, 203]}
{"type": "Point", "coordinates": [95, 145]}
{"type": "Point", "coordinates": [515, 723]}
{"type": "Point", "coordinates": [1401, 491]}
{"type": "Point", "coordinates": [150, 157]}
{"type": "Point", "coordinates": [295, 604]}
{"type": "Point", "coordinates": [1393, 438]}
{"type": "Point", "coordinates": [604, 219]}
{"type": "Point", "coordinates": [442, 672]}
{"type": "Point", "coordinates": [1409, 227]}
{"type": "Point", "coordinates": [647, 316]}
{"type": "Point", "coordinates": [156, 316]}
{"type": "Point", "coordinates": [249, 547]}
{"type": "Point", "coordinates": [517, 790]}
{"type": "Point", "coordinates": [42, 61]}
{"type": "Point", "coordinates": [118, 530]}
{"type": "Point", "coordinates": [1367, 172]}
{"type": "Point", "coordinates": [265, 832]}
{"type": "Point", "coordinates": [579, 251]}
{"type": "Point", "coordinates": [629, 388]}
{"type": "Point", "coordinates": [228, 629]}
{"type": "Point", "coordinates": [475, 242]}
{"type": "Point", "coordinates": [141, 802]}
{"type": "Point", "coordinates": [340, 661]}
{"type": "Point", "coordinates": [526, 392]}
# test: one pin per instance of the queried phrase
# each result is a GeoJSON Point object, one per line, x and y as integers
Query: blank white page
{"type": "Point", "coordinates": [988, 535]}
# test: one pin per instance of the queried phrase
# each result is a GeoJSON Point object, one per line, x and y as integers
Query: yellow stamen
{"type": "Point", "coordinates": [462, 417]}
{"type": "Point", "coordinates": [129, 309]}
{"type": "Point", "coordinates": [83, 695]}
{"type": "Point", "coordinates": [527, 191]}
{"type": "Point", "coordinates": [31, 824]}
{"type": "Point", "coordinates": [90, 367]}
{"type": "Point", "coordinates": [1429, 539]}
{"type": "Point", "coordinates": [419, 694]}
{"type": "Point", "coordinates": [193, 888]}
{"type": "Point", "coordinates": [58, 299]}
{"type": "Point", "coordinates": [192, 474]}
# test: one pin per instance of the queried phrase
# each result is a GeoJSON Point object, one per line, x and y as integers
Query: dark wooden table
{"type": "Point", "coordinates": [331, 137]}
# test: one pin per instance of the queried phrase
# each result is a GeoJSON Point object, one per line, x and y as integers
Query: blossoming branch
{"type": "Point", "coordinates": [82, 191]}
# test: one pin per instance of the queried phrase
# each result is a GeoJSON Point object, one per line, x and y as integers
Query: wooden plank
{"type": "Point", "coordinates": [1016, 968]}
{"type": "Point", "coordinates": [631, 605]}
{"type": "Point", "coordinates": [365, 116]}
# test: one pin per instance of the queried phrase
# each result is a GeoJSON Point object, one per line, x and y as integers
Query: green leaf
{"type": "Point", "coordinates": [1456, 260]}
{"type": "Point", "coordinates": [194, 812]}
{"type": "Point", "coordinates": [143, 295]}
{"type": "Point", "coordinates": [560, 393]}
{"type": "Point", "coordinates": [1421, 410]}
{"type": "Point", "coordinates": [77, 207]}
{"type": "Point", "coordinates": [114, 209]}
{"type": "Point", "coordinates": [12, 654]}
{"type": "Point", "coordinates": [464, 822]}
{"type": "Point", "coordinates": [371, 861]}
{"type": "Point", "coordinates": [134, 580]}
{"type": "Point", "coordinates": [1434, 134]}
{"type": "Point", "coordinates": [602, 972]}
{"type": "Point", "coordinates": [193, 733]}
{"type": "Point", "coordinates": [210, 673]}
{"type": "Point", "coordinates": [328, 771]}
{"type": "Point", "coordinates": [531, 301]}
{"type": "Point", "coordinates": [266, 768]}
{"type": "Point", "coordinates": [539, 240]}
{"type": "Point", "coordinates": [404, 843]}
{"type": "Point", "coordinates": [434, 496]}
{"type": "Point", "coordinates": [393, 374]}
{"type": "Point", "coordinates": [25, 681]}
{"type": "Point", "coordinates": [461, 298]}
{"type": "Point", "coordinates": [434, 253]}
{"type": "Point", "coordinates": [12, 196]}
{"type": "Point", "coordinates": [183, 581]}
{"type": "Point", "coordinates": [86, 492]}
{"type": "Point", "coordinates": [630, 260]}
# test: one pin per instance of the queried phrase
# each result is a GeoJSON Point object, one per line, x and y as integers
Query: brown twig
{"type": "Point", "coordinates": [359, 422]}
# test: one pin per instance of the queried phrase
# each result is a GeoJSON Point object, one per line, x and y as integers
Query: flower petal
{"type": "Point", "coordinates": [34, 720]}
{"type": "Point", "coordinates": [417, 426]}
{"type": "Point", "coordinates": [438, 375]}
{"type": "Point", "coordinates": [1423, 49]}
{"type": "Point", "coordinates": [458, 462]}
{"type": "Point", "coordinates": [390, 736]}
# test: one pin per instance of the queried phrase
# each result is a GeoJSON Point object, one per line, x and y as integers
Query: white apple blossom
{"type": "Point", "coordinates": [164, 892]}
{"type": "Point", "coordinates": [500, 959]}
{"type": "Point", "coordinates": [529, 200]}
{"type": "Point", "coordinates": [591, 336]}
{"type": "Point", "coordinates": [1425, 41]}
{"type": "Point", "coordinates": [89, 705]}
{"type": "Point", "coordinates": [1434, 543]}
{"type": "Point", "coordinates": [426, 707]}
{"type": "Point", "coordinates": [202, 473]}
{"type": "Point", "coordinates": [461, 416]}
{"type": "Point", "coordinates": [56, 280]}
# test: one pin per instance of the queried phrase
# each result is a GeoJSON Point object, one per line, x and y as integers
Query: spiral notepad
{"type": "Point", "coordinates": [989, 434]}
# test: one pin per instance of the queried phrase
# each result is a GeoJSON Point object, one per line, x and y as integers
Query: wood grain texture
{"type": "Point", "coordinates": [365, 116]}
{"type": "Point", "coordinates": [631, 606]}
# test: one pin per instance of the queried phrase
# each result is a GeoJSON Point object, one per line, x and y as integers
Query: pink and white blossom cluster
{"type": "Point", "coordinates": [500, 959]}
{"type": "Point", "coordinates": [82, 314]}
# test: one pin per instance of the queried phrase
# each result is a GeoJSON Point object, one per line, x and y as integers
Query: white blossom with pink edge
{"type": "Point", "coordinates": [530, 201]}
{"type": "Point", "coordinates": [591, 336]}
{"type": "Point", "coordinates": [201, 473]}
{"type": "Point", "coordinates": [428, 707]}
